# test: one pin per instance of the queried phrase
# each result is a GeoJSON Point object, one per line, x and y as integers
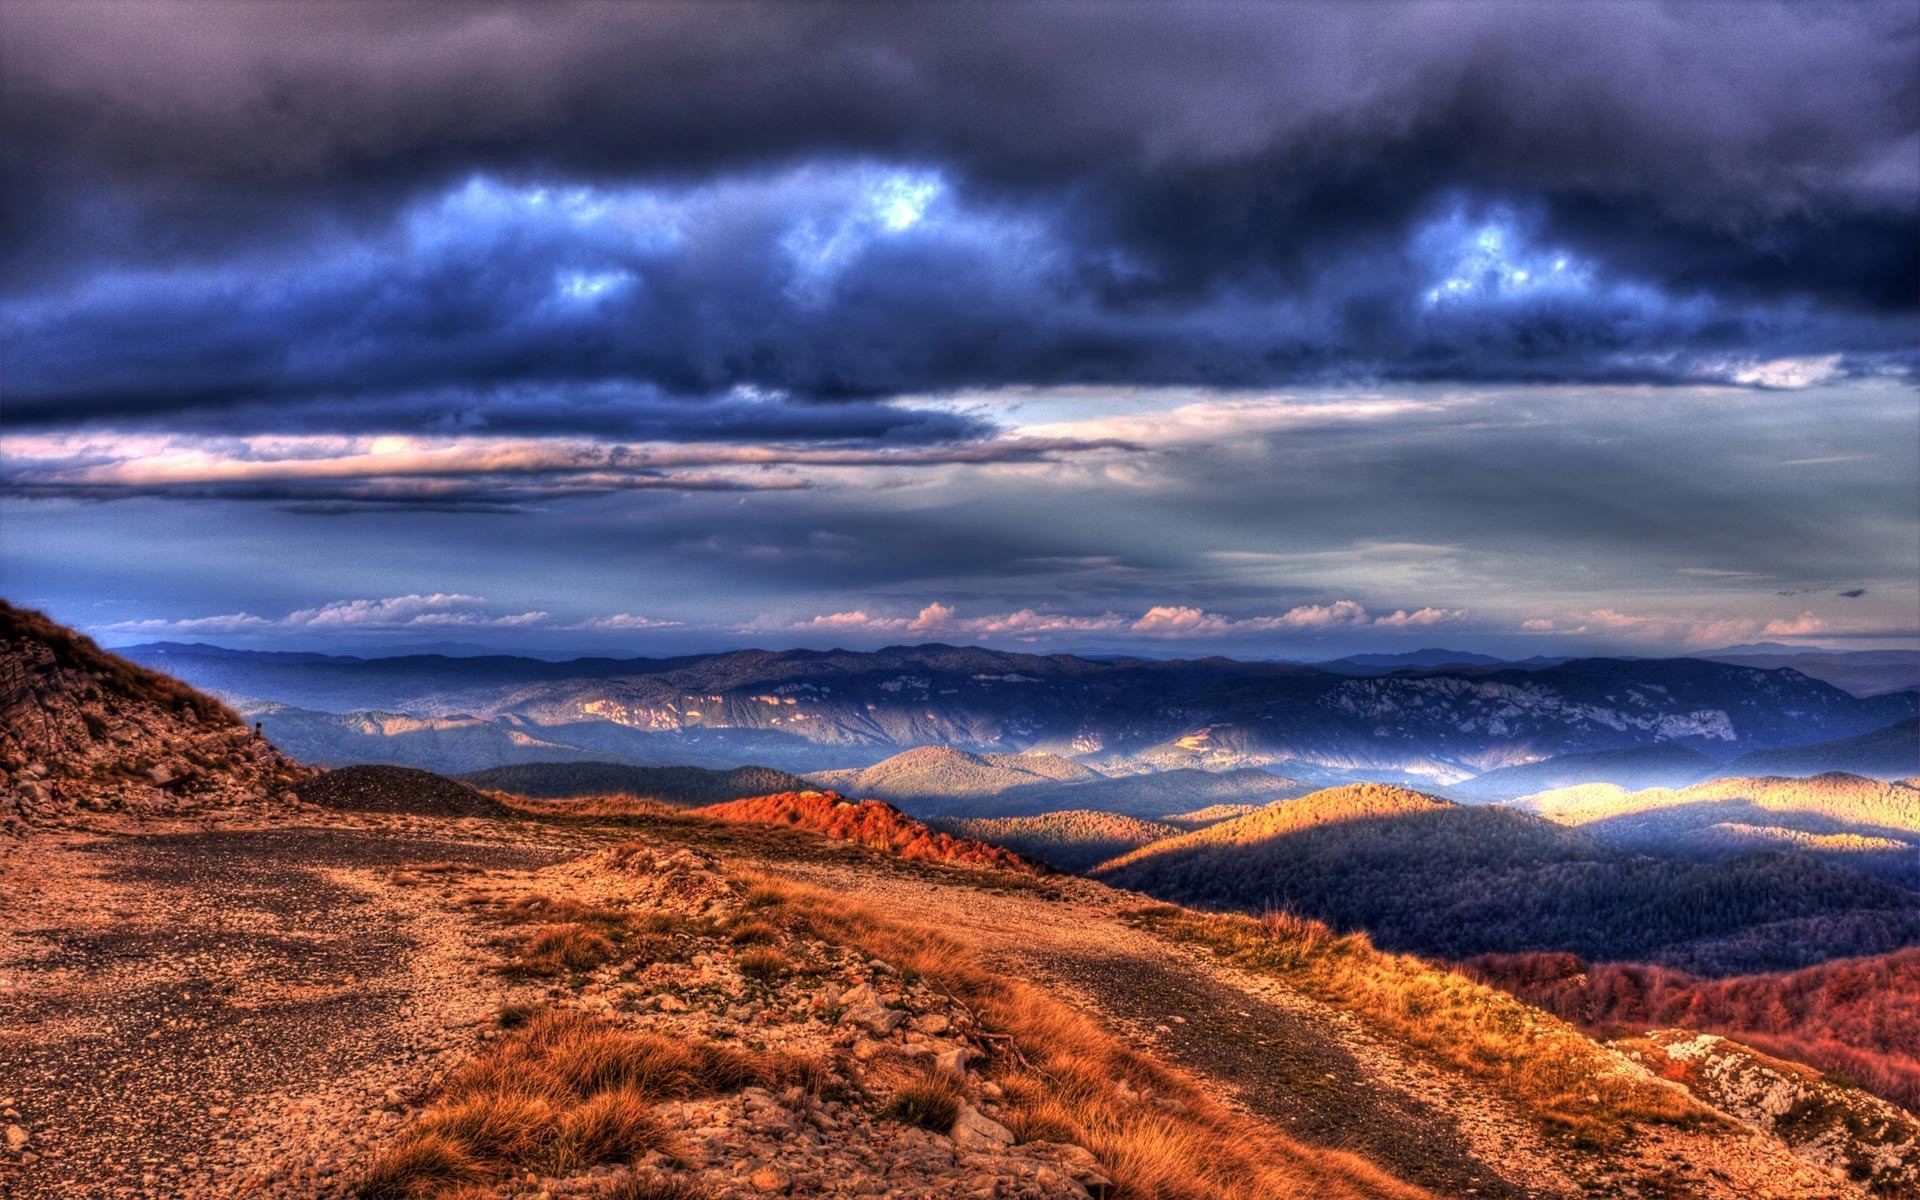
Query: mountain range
{"type": "Point", "coordinates": [807, 711]}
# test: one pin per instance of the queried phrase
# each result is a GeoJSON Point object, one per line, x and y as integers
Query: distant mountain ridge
{"type": "Point", "coordinates": [806, 711]}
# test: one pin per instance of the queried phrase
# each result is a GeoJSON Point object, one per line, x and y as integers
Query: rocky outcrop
{"type": "Point", "coordinates": [1857, 1136]}
{"type": "Point", "coordinates": [84, 731]}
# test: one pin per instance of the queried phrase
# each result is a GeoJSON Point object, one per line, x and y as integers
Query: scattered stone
{"type": "Point", "coordinates": [974, 1130]}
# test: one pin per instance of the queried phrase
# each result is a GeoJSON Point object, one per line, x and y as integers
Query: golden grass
{"type": "Point", "coordinates": [762, 965]}
{"type": "Point", "coordinates": [420, 1167]}
{"type": "Point", "coordinates": [752, 932]}
{"type": "Point", "coordinates": [590, 808]}
{"type": "Point", "coordinates": [930, 1100]}
{"type": "Point", "coordinates": [560, 949]}
{"type": "Point", "coordinates": [564, 1092]}
{"type": "Point", "coordinates": [1562, 1077]}
{"type": "Point", "coordinates": [1160, 1135]}
{"type": "Point", "coordinates": [641, 1187]}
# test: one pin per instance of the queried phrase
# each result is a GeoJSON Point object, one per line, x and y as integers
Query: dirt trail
{"type": "Point", "coordinates": [1304, 1066]}
{"type": "Point", "coordinates": [168, 1001]}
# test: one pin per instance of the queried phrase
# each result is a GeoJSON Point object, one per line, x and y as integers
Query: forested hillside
{"type": "Point", "coordinates": [1419, 873]}
{"type": "Point", "coordinates": [1070, 841]}
{"type": "Point", "coordinates": [1857, 1017]}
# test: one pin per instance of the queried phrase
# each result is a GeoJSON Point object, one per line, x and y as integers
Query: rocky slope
{"type": "Point", "coordinates": [82, 730]}
{"type": "Point", "coordinates": [1859, 1138]}
{"type": "Point", "coordinates": [1859, 1016]}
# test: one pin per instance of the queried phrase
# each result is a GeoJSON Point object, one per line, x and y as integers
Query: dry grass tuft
{"type": "Point", "coordinates": [551, 910]}
{"type": "Point", "coordinates": [763, 966]}
{"type": "Point", "coordinates": [559, 949]}
{"type": "Point", "coordinates": [420, 1167]}
{"type": "Point", "coordinates": [754, 932]}
{"type": "Point", "coordinates": [931, 1100]}
{"type": "Point", "coordinates": [1160, 1136]}
{"type": "Point", "coordinates": [513, 1016]}
{"type": "Point", "coordinates": [564, 1092]}
{"type": "Point", "coordinates": [614, 1126]}
{"type": "Point", "coordinates": [647, 1187]}
{"type": "Point", "coordinates": [1569, 1083]}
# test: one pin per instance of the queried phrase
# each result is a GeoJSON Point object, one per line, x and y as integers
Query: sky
{"type": "Point", "coordinates": [1279, 331]}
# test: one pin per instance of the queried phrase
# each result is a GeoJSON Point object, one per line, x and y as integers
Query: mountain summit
{"type": "Point", "coordinates": [82, 729]}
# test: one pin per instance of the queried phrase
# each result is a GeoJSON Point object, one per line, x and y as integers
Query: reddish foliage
{"type": "Point", "coordinates": [868, 822]}
{"type": "Point", "coordinates": [1855, 1017]}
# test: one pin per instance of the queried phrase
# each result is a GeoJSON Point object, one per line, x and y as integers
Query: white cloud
{"type": "Point", "coordinates": [623, 621]}
{"type": "Point", "coordinates": [1401, 618]}
{"type": "Point", "coordinates": [1790, 373]}
{"type": "Point", "coordinates": [1159, 621]}
{"type": "Point", "coordinates": [1804, 624]}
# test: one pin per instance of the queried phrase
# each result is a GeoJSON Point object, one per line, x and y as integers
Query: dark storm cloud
{"type": "Point", "coordinates": [255, 210]}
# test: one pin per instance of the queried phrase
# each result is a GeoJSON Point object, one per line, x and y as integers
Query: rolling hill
{"type": "Point", "coordinates": [1420, 873]}
{"type": "Point", "coordinates": [1866, 824]}
{"type": "Point", "coordinates": [1836, 798]}
{"type": "Point", "coordinates": [933, 778]}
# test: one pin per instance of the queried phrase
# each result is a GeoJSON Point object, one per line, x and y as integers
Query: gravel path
{"type": "Point", "coordinates": [166, 1001]}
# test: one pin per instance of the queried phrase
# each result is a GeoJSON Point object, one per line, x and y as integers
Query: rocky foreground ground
{"type": "Point", "coordinates": [302, 1006]}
